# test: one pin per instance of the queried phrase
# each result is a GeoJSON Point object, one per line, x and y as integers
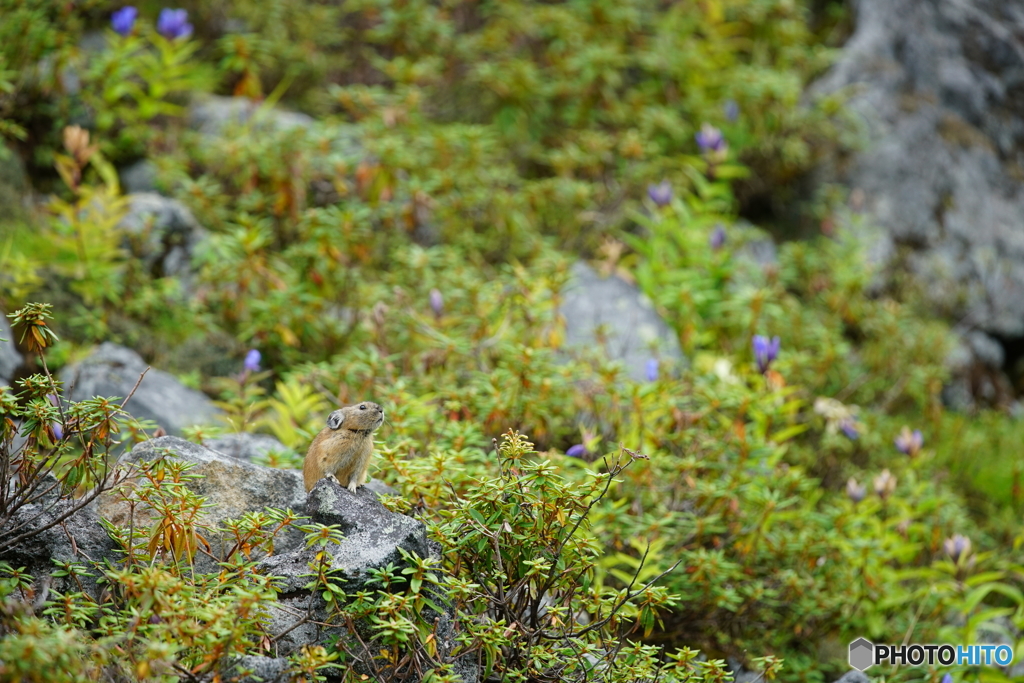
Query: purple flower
{"type": "Point", "coordinates": [947, 678]}
{"type": "Point", "coordinates": [436, 302]}
{"type": "Point", "coordinates": [885, 484]}
{"type": "Point", "coordinates": [252, 360]}
{"type": "Point", "coordinates": [651, 370]}
{"type": "Point", "coordinates": [577, 451]}
{"type": "Point", "coordinates": [58, 430]}
{"type": "Point", "coordinates": [909, 442]}
{"type": "Point", "coordinates": [849, 428]}
{"type": "Point", "coordinates": [956, 547]}
{"type": "Point", "coordinates": [732, 110]}
{"type": "Point", "coordinates": [855, 491]}
{"type": "Point", "coordinates": [660, 194]}
{"type": "Point", "coordinates": [717, 239]}
{"type": "Point", "coordinates": [765, 351]}
{"type": "Point", "coordinates": [123, 20]}
{"type": "Point", "coordinates": [173, 24]}
{"type": "Point", "coordinates": [710, 139]}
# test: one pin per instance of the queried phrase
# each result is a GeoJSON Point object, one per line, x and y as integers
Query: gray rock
{"type": "Point", "coordinates": [612, 310]}
{"type": "Point", "coordinates": [937, 85]}
{"type": "Point", "coordinates": [976, 379]}
{"type": "Point", "coordinates": [213, 115]}
{"type": "Point", "coordinates": [139, 177]}
{"type": "Point", "coordinates": [854, 676]}
{"type": "Point", "coordinates": [253, 668]}
{"type": "Point", "coordinates": [80, 538]}
{"type": "Point", "coordinates": [162, 233]}
{"type": "Point", "coordinates": [230, 486]}
{"type": "Point", "coordinates": [14, 184]}
{"type": "Point", "coordinates": [113, 370]}
{"type": "Point", "coordinates": [248, 447]}
{"type": "Point", "coordinates": [373, 536]}
{"type": "Point", "coordinates": [741, 674]}
{"type": "Point", "coordinates": [985, 349]}
{"type": "Point", "coordinates": [10, 359]}
{"type": "Point", "coordinates": [760, 252]}
{"type": "Point", "coordinates": [380, 488]}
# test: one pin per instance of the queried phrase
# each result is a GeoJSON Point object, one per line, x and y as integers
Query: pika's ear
{"type": "Point", "coordinates": [335, 419]}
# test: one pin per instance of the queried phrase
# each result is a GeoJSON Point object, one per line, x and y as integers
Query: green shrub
{"type": "Point", "coordinates": [411, 247]}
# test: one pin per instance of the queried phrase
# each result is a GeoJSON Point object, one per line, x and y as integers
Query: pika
{"type": "Point", "coordinates": [344, 447]}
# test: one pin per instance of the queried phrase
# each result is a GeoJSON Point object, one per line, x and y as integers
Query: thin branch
{"type": "Point", "coordinates": [132, 392]}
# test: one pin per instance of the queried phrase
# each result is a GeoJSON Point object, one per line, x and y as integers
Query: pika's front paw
{"type": "Point", "coordinates": [333, 478]}
{"type": "Point", "coordinates": [352, 486]}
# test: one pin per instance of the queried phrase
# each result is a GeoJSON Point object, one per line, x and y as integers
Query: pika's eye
{"type": "Point", "coordinates": [362, 407]}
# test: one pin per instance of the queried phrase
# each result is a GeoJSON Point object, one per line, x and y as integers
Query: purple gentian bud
{"type": "Point", "coordinates": [660, 194]}
{"type": "Point", "coordinates": [436, 302]}
{"type": "Point", "coordinates": [717, 239]}
{"type": "Point", "coordinates": [651, 370]}
{"type": "Point", "coordinates": [732, 110]}
{"type": "Point", "coordinates": [957, 547]}
{"type": "Point", "coordinates": [58, 430]}
{"type": "Point", "coordinates": [909, 442]}
{"type": "Point", "coordinates": [577, 451]}
{"type": "Point", "coordinates": [947, 678]}
{"type": "Point", "coordinates": [849, 428]}
{"type": "Point", "coordinates": [710, 139]}
{"type": "Point", "coordinates": [252, 360]}
{"type": "Point", "coordinates": [765, 351]}
{"type": "Point", "coordinates": [855, 491]}
{"type": "Point", "coordinates": [123, 20]}
{"type": "Point", "coordinates": [173, 24]}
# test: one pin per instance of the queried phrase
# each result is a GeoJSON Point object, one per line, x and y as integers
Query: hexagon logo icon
{"type": "Point", "coordinates": [862, 654]}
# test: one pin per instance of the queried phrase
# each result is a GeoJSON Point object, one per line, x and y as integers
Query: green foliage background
{"type": "Point", "coordinates": [478, 148]}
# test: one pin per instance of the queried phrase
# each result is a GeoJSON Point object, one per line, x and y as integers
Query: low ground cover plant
{"type": "Point", "coordinates": [794, 481]}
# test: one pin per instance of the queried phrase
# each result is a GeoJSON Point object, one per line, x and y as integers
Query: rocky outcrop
{"type": "Point", "coordinates": [939, 85]}
{"type": "Point", "coordinates": [231, 487]}
{"type": "Point", "coordinates": [113, 370]}
{"type": "Point", "coordinates": [249, 447]}
{"type": "Point", "coordinates": [613, 314]}
{"type": "Point", "coordinates": [79, 538]}
{"type": "Point", "coordinates": [162, 234]}
{"type": "Point", "coordinates": [374, 538]}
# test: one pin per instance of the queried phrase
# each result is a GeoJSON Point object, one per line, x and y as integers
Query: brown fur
{"type": "Point", "coordinates": [344, 447]}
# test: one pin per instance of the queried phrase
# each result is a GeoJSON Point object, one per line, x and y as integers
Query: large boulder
{"type": "Point", "coordinates": [615, 314]}
{"type": "Point", "coordinates": [79, 538]}
{"type": "Point", "coordinates": [249, 447]}
{"type": "Point", "coordinates": [162, 233]}
{"type": "Point", "coordinates": [10, 359]}
{"type": "Point", "coordinates": [231, 487]}
{"type": "Point", "coordinates": [113, 370]}
{"type": "Point", "coordinates": [938, 85]}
